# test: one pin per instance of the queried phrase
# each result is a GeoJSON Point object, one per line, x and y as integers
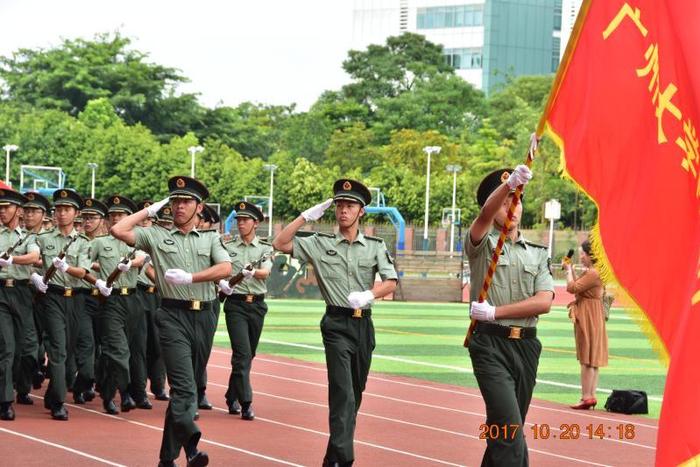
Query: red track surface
{"type": "Point", "coordinates": [402, 422]}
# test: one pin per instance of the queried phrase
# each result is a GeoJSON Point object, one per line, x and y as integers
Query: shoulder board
{"type": "Point", "coordinates": [376, 239]}
{"type": "Point", "coordinates": [324, 234]}
{"type": "Point", "coordinates": [101, 236]}
{"type": "Point", "coordinates": [84, 237]}
{"type": "Point", "coordinates": [536, 245]}
{"type": "Point", "coordinates": [46, 232]}
{"type": "Point", "coordinates": [208, 230]}
{"type": "Point", "coordinates": [159, 226]}
{"type": "Point", "coordinates": [265, 242]}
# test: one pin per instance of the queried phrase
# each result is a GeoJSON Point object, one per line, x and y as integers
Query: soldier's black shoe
{"type": "Point", "coordinates": [327, 463]}
{"type": "Point", "coordinates": [127, 403]}
{"type": "Point", "coordinates": [7, 412]}
{"type": "Point", "coordinates": [59, 412]}
{"type": "Point", "coordinates": [199, 459]}
{"type": "Point", "coordinates": [234, 408]}
{"type": "Point", "coordinates": [78, 398]}
{"type": "Point", "coordinates": [204, 403]}
{"type": "Point", "coordinates": [247, 412]}
{"type": "Point", "coordinates": [110, 407]}
{"type": "Point", "coordinates": [161, 396]}
{"type": "Point", "coordinates": [89, 395]}
{"type": "Point", "coordinates": [144, 404]}
{"type": "Point", "coordinates": [24, 399]}
{"type": "Point", "coordinates": [163, 463]}
{"type": "Point", "coordinates": [38, 379]}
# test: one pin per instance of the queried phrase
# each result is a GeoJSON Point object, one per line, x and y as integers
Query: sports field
{"type": "Point", "coordinates": [424, 341]}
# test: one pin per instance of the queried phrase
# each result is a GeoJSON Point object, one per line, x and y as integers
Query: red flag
{"type": "Point", "coordinates": [625, 109]}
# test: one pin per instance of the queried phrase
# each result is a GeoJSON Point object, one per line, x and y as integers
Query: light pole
{"type": "Point", "coordinates": [194, 150]}
{"type": "Point", "coordinates": [429, 150]}
{"type": "Point", "coordinates": [8, 149]}
{"type": "Point", "coordinates": [271, 168]}
{"type": "Point", "coordinates": [92, 166]}
{"type": "Point", "coordinates": [454, 169]}
{"type": "Point", "coordinates": [552, 212]}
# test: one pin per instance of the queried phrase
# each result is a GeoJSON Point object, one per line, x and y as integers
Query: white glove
{"type": "Point", "coordinates": [315, 213]}
{"type": "Point", "coordinates": [4, 262]}
{"type": "Point", "coordinates": [153, 209]}
{"type": "Point", "coordinates": [520, 176]}
{"type": "Point", "coordinates": [224, 287]}
{"type": "Point", "coordinates": [38, 282]}
{"type": "Point", "coordinates": [104, 290]}
{"type": "Point", "coordinates": [60, 264]}
{"type": "Point", "coordinates": [247, 273]}
{"type": "Point", "coordinates": [360, 299]}
{"type": "Point", "coordinates": [124, 267]}
{"type": "Point", "coordinates": [483, 311]}
{"type": "Point", "coordinates": [178, 277]}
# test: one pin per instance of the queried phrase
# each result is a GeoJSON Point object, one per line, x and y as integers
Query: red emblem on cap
{"type": "Point", "coordinates": [63, 194]}
{"type": "Point", "coordinates": [347, 186]}
{"type": "Point", "coordinates": [241, 206]}
{"type": "Point", "coordinates": [180, 183]}
{"type": "Point", "coordinates": [504, 177]}
{"type": "Point", "coordinates": [88, 202]}
{"type": "Point", "coordinates": [30, 196]}
{"type": "Point", "coordinates": [116, 200]}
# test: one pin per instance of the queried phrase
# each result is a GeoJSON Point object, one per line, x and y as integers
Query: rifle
{"type": "Point", "coordinates": [239, 277]}
{"type": "Point", "coordinates": [52, 269]}
{"type": "Point", "coordinates": [9, 251]}
{"type": "Point", "coordinates": [112, 278]}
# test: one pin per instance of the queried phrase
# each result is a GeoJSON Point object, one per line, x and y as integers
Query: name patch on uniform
{"type": "Point", "coordinates": [331, 252]}
{"type": "Point", "coordinates": [169, 241]}
{"type": "Point", "coordinates": [50, 247]}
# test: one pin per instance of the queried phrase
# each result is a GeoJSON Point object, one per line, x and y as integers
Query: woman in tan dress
{"type": "Point", "coordinates": [589, 324]}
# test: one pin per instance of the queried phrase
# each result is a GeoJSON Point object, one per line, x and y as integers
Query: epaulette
{"type": "Point", "coordinates": [536, 245]}
{"type": "Point", "coordinates": [47, 231]}
{"type": "Point", "coordinates": [324, 234]}
{"type": "Point", "coordinates": [264, 242]}
{"type": "Point", "coordinates": [207, 230]}
{"type": "Point", "coordinates": [376, 239]}
{"type": "Point", "coordinates": [155, 224]}
{"type": "Point", "coordinates": [84, 237]}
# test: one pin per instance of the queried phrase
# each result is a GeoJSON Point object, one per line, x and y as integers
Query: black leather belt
{"type": "Point", "coordinates": [351, 312]}
{"type": "Point", "coordinates": [122, 291]}
{"type": "Point", "coordinates": [65, 291]}
{"type": "Point", "coordinates": [507, 332]}
{"type": "Point", "coordinates": [193, 305]}
{"type": "Point", "coordinates": [248, 298]}
{"type": "Point", "coordinates": [13, 282]}
{"type": "Point", "coordinates": [146, 288]}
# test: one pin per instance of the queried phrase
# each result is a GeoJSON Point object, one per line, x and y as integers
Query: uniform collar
{"type": "Point", "coordinates": [17, 230]}
{"type": "Point", "coordinates": [175, 230]}
{"type": "Point", "coordinates": [57, 233]}
{"type": "Point", "coordinates": [521, 240]}
{"type": "Point", "coordinates": [254, 242]}
{"type": "Point", "coordinates": [359, 239]}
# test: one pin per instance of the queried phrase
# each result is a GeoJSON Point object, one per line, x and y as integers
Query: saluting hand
{"type": "Point", "coordinates": [178, 277]}
{"type": "Point", "coordinates": [483, 311]}
{"type": "Point", "coordinates": [153, 209]}
{"type": "Point", "coordinates": [316, 212]}
{"type": "Point", "coordinates": [360, 299]}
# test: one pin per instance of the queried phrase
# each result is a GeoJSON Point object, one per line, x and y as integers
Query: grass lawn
{"type": "Point", "coordinates": [424, 340]}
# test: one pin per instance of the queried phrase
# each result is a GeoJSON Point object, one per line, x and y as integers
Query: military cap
{"type": "Point", "coordinates": [188, 188]}
{"type": "Point", "coordinates": [94, 206]}
{"type": "Point", "coordinates": [246, 209]}
{"type": "Point", "coordinates": [37, 200]}
{"type": "Point", "coordinates": [117, 203]}
{"type": "Point", "coordinates": [143, 204]}
{"type": "Point", "coordinates": [489, 184]}
{"type": "Point", "coordinates": [165, 214]}
{"type": "Point", "coordinates": [77, 220]}
{"type": "Point", "coordinates": [210, 215]}
{"type": "Point", "coordinates": [67, 197]}
{"type": "Point", "coordinates": [351, 190]}
{"type": "Point", "coordinates": [8, 197]}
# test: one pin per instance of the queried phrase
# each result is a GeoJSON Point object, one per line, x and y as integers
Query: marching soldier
{"type": "Point", "coordinates": [345, 266]}
{"type": "Point", "coordinates": [60, 306]}
{"type": "Point", "coordinates": [146, 291]}
{"type": "Point", "coordinates": [186, 262]}
{"type": "Point", "coordinates": [18, 341]}
{"type": "Point", "coordinates": [245, 306]}
{"type": "Point", "coordinates": [504, 348]}
{"type": "Point", "coordinates": [164, 217]}
{"type": "Point", "coordinates": [122, 321]}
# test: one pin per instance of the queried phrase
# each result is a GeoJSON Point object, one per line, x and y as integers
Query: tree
{"type": "Point", "coordinates": [352, 148]}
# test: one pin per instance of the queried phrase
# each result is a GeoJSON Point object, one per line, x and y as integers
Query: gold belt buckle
{"type": "Point", "coordinates": [357, 313]}
{"type": "Point", "coordinates": [9, 282]}
{"type": "Point", "coordinates": [249, 298]}
{"type": "Point", "coordinates": [151, 289]}
{"type": "Point", "coordinates": [67, 292]}
{"type": "Point", "coordinates": [94, 292]}
{"type": "Point", "coordinates": [515, 332]}
{"type": "Point", "coordinates": [196, 305]}
{"type": "Point", "coordinates": [124, 291]}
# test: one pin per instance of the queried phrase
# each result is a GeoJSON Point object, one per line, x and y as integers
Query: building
{"type": "Point", "coordinates": [484, 40]}
{"type": "Point", "coordinates": [570, 9]}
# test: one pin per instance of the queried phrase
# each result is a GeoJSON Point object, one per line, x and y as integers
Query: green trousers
{"type": "Point", "coordinates": [155, 368]}
{"type": "Point", "coordinates": [182, 333]}
{"type": "Point", "coordinates": [207, 343]}
{"type": "Point", "coordinates": [18, 341]}
{"type": "Point", "coordinates": [244, 322]}
{"type": "Point", "coordinates": [81, 369]}
{"type": "Point", "coordinates": [348, 343]}
{"type": "Point", "coordinates": [60, 317]}
{"type": "Point", "coordinates": [505, 370]}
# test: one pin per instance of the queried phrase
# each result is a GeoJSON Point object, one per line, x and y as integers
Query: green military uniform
{"type": "Point", "coordinates": [183, 318]}
{"type": "Point", "coordinates": [245, 311]}
{"type": "Point", "coordinates": [505, 352]}
{"type": "Point", "coordinates": [348, 335]}
{"type": "Point", "coordinates": [61, 306]}
{"type": "Point", "coordinates": [146, 291]}
{"type": "Point", "coordinates": [18, 341]}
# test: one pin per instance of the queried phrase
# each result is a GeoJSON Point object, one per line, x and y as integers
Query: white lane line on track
{"type": "Point", "coordinates": [457, 369]}
{"type": "Point", "coordinates": [202, 440]}
{"type": "Point", "coordinates": [60, 446]}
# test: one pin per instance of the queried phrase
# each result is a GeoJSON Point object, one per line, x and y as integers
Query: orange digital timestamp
{"type": "Point", "coordinates": [492, 431]}
{"type": "Point", "coordinates": [590, 431]}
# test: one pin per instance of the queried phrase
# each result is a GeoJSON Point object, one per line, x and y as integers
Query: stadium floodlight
{"type": "Point", "coordinates": [194, 150]}
{"type": "Point", "coordinates": [454, 168]}
{"type": "Point", "coordinates": [271, 168]}
{"type": "Point", "coordinates": [93, 167]}
{"type": "Point", "coordinates": [8, 149]}
{"type": "Point", "coordinates": [429, 150]}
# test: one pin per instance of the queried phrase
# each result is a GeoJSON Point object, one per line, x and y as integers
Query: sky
{"type": "Point", "coordinates": [265, 51]}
